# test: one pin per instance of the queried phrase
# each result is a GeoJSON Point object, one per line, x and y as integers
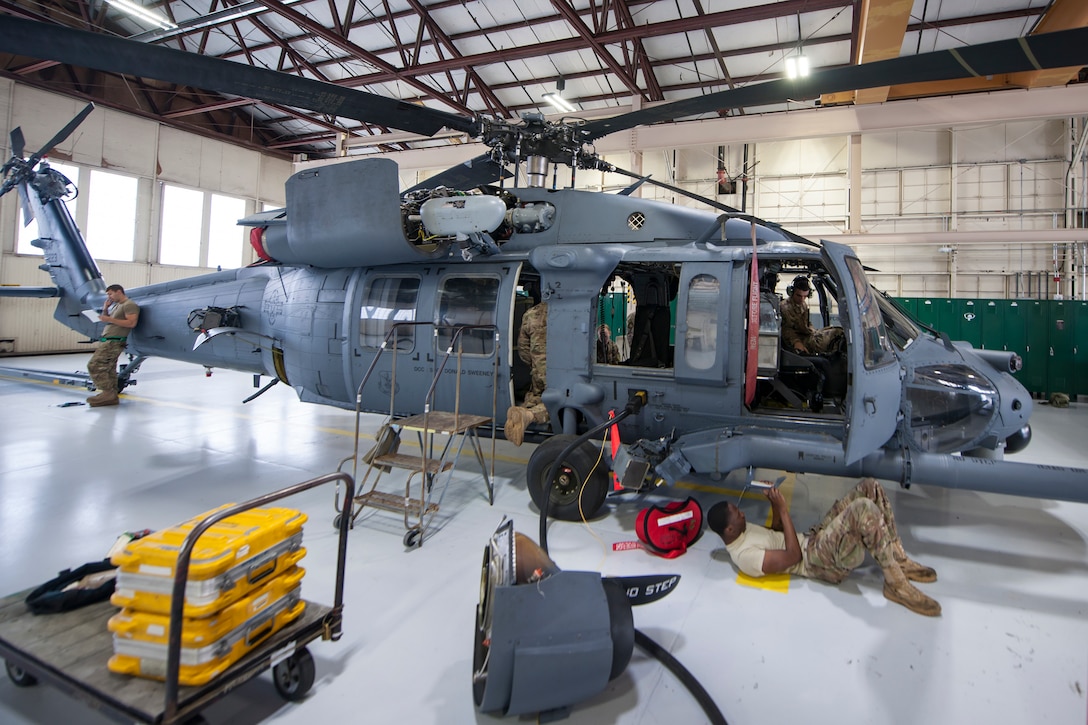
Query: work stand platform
{"type": "Point", "coordinates": [434, 465]}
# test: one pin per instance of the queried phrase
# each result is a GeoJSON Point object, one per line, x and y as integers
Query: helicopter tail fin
{"type": "Point", "coordinates": [42, 190]}
{"type": "Point", "coordinates": [77, 279]}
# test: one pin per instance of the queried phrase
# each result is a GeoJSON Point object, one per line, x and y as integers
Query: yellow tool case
{"type": "Point", "coordinates": [232, 558]}
{"type": "Point", "coordinates": [209, 645]}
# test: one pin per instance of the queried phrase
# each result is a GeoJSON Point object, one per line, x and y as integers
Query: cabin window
{"type": "Point", "coordinates": [701, 317]}
{"type": "Point", "coordinates": [389, 300]}
{"type": "Point", "coordinates": [877, 349]}
{"type": "Point", "coordinates": [467, 302]}
{"type": "Point", "coordinates": [636, 312]}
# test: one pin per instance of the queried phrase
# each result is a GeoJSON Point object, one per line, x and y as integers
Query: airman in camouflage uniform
{"type": "Point", "coordinates": [532, 349]}
{"type": "Point", "coordinates": [607, 352]}
{"type": "Point", "coordinates": [859, 522]}
{"type": "Point", "coordinates": [798, 334]}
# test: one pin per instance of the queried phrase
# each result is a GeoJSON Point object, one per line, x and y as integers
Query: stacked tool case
{"type": "Point", "coordinates": [244, 585]}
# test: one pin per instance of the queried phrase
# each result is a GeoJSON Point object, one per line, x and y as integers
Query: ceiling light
{"type": "Point", "coordinates": [141, 13]}
{"type": "Point", "coordinates": [797, 67]}
{"type": "Point", "coordinates": [559, 102]}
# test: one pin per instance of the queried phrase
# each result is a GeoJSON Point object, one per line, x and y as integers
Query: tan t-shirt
{"type": "Point", "coordinates": [120, 311]}
{"type": "Point", "coordinates": [746, 551]}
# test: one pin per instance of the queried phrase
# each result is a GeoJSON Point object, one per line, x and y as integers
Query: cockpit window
{"type": "Point", "coordinates": [901, 329]}
{"type": "Point", "coordinates": [877, 348]}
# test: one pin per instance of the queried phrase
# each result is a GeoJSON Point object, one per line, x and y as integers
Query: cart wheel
{"type": "Point", "coordinates": [336, 522]}
{"type": "Point", "coordinates": [414, 538]}
{"type": "Point", "coordinates": [295, 675]}
{"type": "Point", "coordinates": [19, 676]}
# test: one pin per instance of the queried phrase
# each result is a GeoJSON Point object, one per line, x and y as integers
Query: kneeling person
{"type": "Point", "coordinates": [860, 521]}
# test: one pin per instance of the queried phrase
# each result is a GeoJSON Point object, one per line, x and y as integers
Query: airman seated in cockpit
{"type": "Point", "coordinates": [798, 334]}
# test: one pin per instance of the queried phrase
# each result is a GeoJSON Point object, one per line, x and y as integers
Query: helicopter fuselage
{"type": "Point", "coordinates": [895, 401]}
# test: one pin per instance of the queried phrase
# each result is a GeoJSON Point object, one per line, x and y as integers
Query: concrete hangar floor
{"type": "Point", "coordinates": [1010, 647]}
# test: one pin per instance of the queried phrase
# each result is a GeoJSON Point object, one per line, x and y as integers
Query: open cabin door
{"type": "Point", "coordinates": [872, 402]}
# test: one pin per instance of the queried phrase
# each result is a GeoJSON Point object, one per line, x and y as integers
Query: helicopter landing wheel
{"type": "Point", "coordinates": [581, 484]}
{"type": "Point", "coordinates": [413, 538]}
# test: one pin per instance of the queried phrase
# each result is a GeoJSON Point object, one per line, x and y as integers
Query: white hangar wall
{"type": "Point", "coordinates": [132, 146]}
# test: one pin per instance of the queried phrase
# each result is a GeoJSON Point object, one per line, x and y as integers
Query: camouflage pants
{"type": "Point", "coordinates": [537, 408]}
{"type": "Point", "coordinates": [826, 339]}
{"type": "Point", "coordinates": [103, 365]}
{"type": "Point", "coordinates": [860, 521]}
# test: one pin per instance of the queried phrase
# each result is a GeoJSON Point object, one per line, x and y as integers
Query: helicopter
{"type": "Point", "coordinates": [354, 267]}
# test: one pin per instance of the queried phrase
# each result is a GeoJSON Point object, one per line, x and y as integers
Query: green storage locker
{"type": "Point", "coordinates": [910, 304]}
{"type": "Point", "coordinates": [948, 318]}
{"type": "Point", "coordinates": [927, 311]}
{"type": "Point", "coordinates": [968, 317]}
{"type": "Point", "coordinates": [992, 324]}
{"type": "Point", "coordinates": [1060, 374]}
{"type": "Point", "coordinates": [1080, 346]}
{"type": "Point", "coordinates": [1014, 330]}
{"type": "Point", "coordinates": [612, 311]}
{"type": "Point", "coordinates": [1036, 352]}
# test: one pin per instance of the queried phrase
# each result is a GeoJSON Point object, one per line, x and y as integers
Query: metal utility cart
{"type": "Point", "coordinates": [70, 650]}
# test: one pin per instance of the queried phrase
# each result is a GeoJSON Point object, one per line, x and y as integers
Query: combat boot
{"type": "Point", "coordinates": [517, 419]}
{"type": "Point", "coordinates": [901, 591]}
{"type": "Point", "coordinates": [912, 569]}
{"type": "Point", "coordinates": [104, 401]}
{"type": "Point", "coordinates": [918, 572]}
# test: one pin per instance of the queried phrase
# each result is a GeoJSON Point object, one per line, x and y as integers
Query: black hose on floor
{"type": "Point", "coordinates": [714, 715]}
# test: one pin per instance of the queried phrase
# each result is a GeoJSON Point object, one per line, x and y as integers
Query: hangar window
{"type": "Point", "coordinates": [389, 300]}
{"type": "Point", "coordinates": [111, 216]}
{"type": "Point", "coordinates": [467, 301]}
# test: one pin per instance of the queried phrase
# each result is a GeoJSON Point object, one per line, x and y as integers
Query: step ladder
{"type": "Point", "coordinates": [441, 436]}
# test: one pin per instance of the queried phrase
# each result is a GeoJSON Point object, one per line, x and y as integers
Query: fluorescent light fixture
{"type": "Point", "coordinates": [141, 13]}
{"type": "Point", "coordinates": [797, 67]}
{"type": "Point", "coordinates": [559, 102]}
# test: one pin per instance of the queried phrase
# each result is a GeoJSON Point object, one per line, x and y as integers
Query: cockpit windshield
{"type": "Point", "coordinates": [901, 329]}
{"type": "Point", "coordinates": [877, 349]}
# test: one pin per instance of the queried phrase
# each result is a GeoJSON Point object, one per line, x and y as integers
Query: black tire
{"type": "Point", "coordinates": [294, 676]}
{"type": "Point", "coordinates": [413, 538]}
{"type": "Point", "coordinates": [580, 476]}
{"type": "Point", "coordinates": [18, 676]}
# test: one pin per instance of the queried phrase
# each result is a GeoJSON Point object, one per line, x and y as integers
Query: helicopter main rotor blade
{"type": "Point", "coordinates": [1060, 49]}
{"type": "Point", "coordinates": [61, 135]}
{"type": "Point", "coordinates": [18, 143]}
{"type": "Point", "coordinates": [118, 55]}
{"type": "Point", "coordinates": [477, 171]}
